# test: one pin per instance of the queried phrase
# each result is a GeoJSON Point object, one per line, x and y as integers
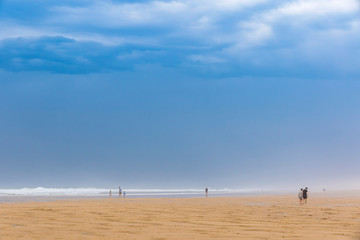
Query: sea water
{"type": "Point", "coordinates": [42, 193]}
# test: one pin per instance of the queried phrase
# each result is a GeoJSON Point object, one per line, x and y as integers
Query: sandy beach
{"type": "Point", "coordinates": [255, 217]}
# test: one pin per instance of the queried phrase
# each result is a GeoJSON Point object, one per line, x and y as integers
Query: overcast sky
{"type": "Point", "coordinates": [230, 93]}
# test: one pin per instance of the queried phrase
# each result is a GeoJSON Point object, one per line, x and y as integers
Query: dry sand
{"type": "Point", "coordinates": [260, 217]}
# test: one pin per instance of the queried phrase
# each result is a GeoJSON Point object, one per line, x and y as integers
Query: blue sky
{"type": "Point", "coordinates": [232, 93]}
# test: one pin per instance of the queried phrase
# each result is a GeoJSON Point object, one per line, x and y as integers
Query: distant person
{"type": "Point", "coordinates": [120, 191]}
{"type": "Point", "coordinates": [305, 195]}
{"type": "Point", "coordinates": [206, 191]}
{"type": "Point", "coordinates": [110, 194]}
{"type": "Point", "coordinates": [124, 194]}
{"type": "Point", "coordinates": [300, 196]}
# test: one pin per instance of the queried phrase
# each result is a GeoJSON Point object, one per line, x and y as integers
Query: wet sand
{"type": "Point", "coordinates": [255, 217]}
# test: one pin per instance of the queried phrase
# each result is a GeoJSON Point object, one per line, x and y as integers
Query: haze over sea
{"type": "Point", "coordinates": [237, 94]}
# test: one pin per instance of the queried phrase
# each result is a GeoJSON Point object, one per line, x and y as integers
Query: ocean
{"type": "Point", "coordinates": [42, 193]}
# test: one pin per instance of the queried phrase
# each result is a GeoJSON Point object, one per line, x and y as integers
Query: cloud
{"type": "Point", "coordinates": [253, 34]}
{"type": "Point", "coordinates": [110, 14]}
{"type": "Point", "coordinates": [239, 36]}
{"type": "Point", "coordinates": [55, 54]}
{"type": "Point", "coordinates": [316, 36]}
{"type": "Point", "coordinates": [311, 8]}
{"type": "Point", "coordinates": [65, 55]}
{"type": "Point", "coordinates": [10, 30]}
{"type": "Point", "coordinates": [206, 59]}
{"type": "Point", "coordinates": [160, 13]}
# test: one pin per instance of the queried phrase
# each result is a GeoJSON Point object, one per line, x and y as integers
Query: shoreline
{"type": "Point", "coordinates": [42, 198]}
{"type": "Point", "coordinates": [47, 198]}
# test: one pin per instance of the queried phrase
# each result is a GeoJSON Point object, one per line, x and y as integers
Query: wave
{"type": "Point", "coordinates": [42, 191]}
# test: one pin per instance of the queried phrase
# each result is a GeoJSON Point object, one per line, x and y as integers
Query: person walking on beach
{"type": "Point", "coordinates": [120, 191]}
{"type": "Point", "coordinates": [206, 191]}
{"type": "Point", "coordinates": [305, 195]}
{"type": "Point", "coordinates": [300, 196]}
{"type": "Point", "coordinates": [124, 194]}
{"type": "Point", "coordinates": [110, 194]}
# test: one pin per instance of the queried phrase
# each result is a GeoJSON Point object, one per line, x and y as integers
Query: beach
{"type": "Point", "coordinates": [252, 217]}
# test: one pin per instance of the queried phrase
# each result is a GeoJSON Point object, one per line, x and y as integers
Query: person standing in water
{"type": "Point", "coordinates": [300, 196]}
{"type": "Point", "coordinates": [110, 194]}
{"type": "Point", "coordinates": [206, 191]}
{"type": "Point", "coordinates": [305, 195]}
{"type": "Point", "coordinates": [120, 191]}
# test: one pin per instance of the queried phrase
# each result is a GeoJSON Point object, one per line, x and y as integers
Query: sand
{"type": "Point", "coordinates": [257, 217]}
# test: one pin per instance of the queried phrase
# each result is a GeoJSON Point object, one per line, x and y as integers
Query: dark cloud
{"type": "Point", "coordinates": [63, 55]}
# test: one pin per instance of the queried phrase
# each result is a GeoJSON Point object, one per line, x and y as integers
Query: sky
{"type": "Point", "coordinates": [180, 94]}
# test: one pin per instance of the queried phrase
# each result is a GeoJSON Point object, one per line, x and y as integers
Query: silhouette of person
{"type": "Point", "coordinates": [305, 195]}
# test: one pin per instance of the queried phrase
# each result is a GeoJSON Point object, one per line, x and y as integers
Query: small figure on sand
{"type": "Point", "coordinates": [124, 194]}
{"type": "Point", "coordinates": [110, 194]}
{"type": "Point", "coordinates": [120, 191]}
{"type": "Point", "coordinates": [305, 195]}
{"type": "Point", "coordinates": [300, 196]}
{"type": "Point", "coordinates": [206, 191]}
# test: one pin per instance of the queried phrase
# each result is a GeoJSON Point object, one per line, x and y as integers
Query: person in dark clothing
{"type": "Point", "coordinates": [305, 195]}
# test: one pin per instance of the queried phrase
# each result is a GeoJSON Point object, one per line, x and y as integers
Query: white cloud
{"type": "Point", "coordinates": [187, 19]}
{"type": "Point", "coordinates": [296, 14]}
{"type": "Point", "coordinates": [313, 8]}
{"type": "Point", "coordinates": [255, 33]}
{"type": "Point", "coordinates": [222, 5]}
{"type": "Point", "coordinates": [111, 14]}
{"type": "Point", "coordinates": [108, 14]}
